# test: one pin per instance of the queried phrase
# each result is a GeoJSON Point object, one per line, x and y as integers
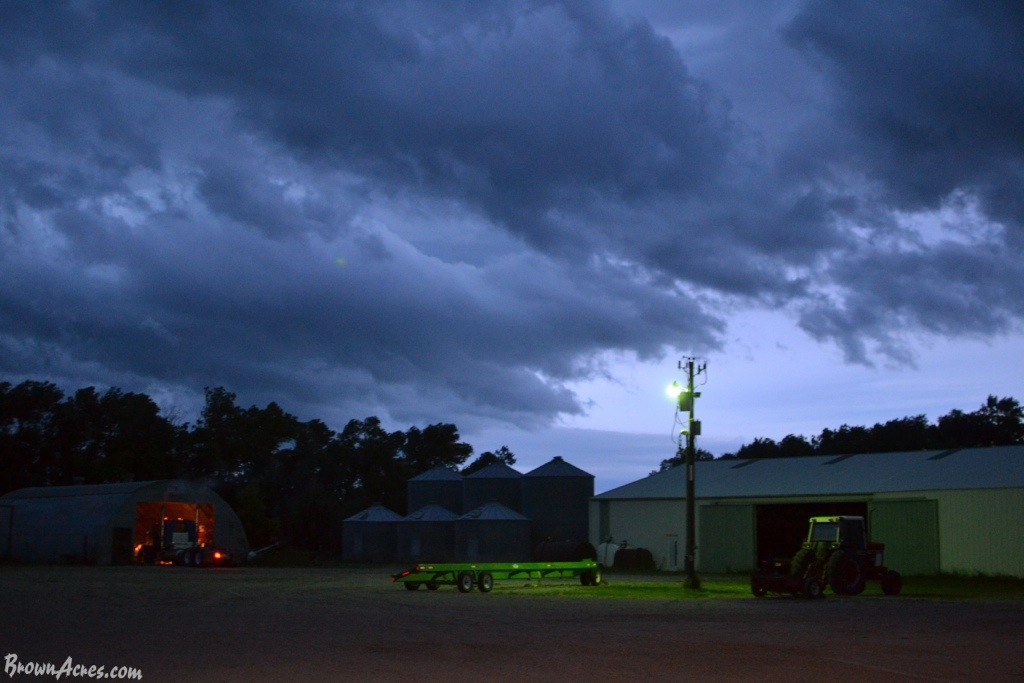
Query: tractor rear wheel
{"type": "Point", "coordinates": [801, 561]}
{"type": "Point", "coordinates": [892, 583]}
{"type": "Point", "coordinates": [844, 574]}
{"type": "Point", "coordinates": [465, 582]}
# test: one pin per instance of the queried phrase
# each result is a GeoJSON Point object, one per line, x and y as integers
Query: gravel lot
{"type": "Point", "coordinates": [256, 624]}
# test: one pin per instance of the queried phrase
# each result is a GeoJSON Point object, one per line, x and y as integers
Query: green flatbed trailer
{"type": "Point", "coordinates": [482, 575]}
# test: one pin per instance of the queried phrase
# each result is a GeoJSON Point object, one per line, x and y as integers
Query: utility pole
{"type": "Point", "coordinates": [685, 403]}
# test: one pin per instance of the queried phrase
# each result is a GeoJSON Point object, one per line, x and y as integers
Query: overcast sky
{"type": "Point", "coordinates": [519, 216]}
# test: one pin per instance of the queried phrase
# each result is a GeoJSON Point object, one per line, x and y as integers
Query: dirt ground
{"type": "Point", "coordinates": [334, 624]}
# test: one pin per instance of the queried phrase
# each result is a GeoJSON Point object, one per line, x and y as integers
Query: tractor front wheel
{"type": "Point", "coordinates": [801, 561]}
{"type": "Point", "coordinates": [892, 583]}
{"type": "Point", "coordinates": [812, 588]}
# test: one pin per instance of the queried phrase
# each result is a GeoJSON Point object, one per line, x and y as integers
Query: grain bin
{"type": "Point", "coordinates": [492, 533]}
{"type": "Point", "coordinates": [440, 485]}
{"type": "Point", "coordinates": [427, 535]}
{"type": "Point", "coordinates": [555, 498]}
{"type": "Point", "coordinates": [370, 535]}
{"type": "Point", "coordinates": [495, 483]}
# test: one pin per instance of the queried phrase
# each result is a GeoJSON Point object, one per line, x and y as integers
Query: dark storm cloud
{"type": "Point", "coordinates": [452, 211]}
{"type": "Point", "coordinates": [926, 116]}
{"type": "Point", "coordinates": [932, 92]}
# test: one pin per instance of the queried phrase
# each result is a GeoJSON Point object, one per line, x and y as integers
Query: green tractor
{"type": "Point", "coordinates": [836, 554]}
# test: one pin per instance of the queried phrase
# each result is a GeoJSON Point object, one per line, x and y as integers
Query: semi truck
{"type": "Point", "coordinates": [176, 541]}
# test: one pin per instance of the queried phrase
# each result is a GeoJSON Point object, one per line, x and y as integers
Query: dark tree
{"type": "Point", "coordinates": [680, 459]}
{"type": "Point", "coordinates": [999, 422]}
{"type": "Point", "coordinates": [502, 455]}
{"type": "Point", "coordinates": [378, 474]}
{"type": "Point", "coordinates": [434, 445]}
{"type": "Point", "coordinates": [27, 456]}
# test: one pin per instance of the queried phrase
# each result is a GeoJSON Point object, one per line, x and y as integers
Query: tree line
{"type": "Point", "coordinates": [998, 422]}
{"type": "Point", "coordinates": [288, 480]}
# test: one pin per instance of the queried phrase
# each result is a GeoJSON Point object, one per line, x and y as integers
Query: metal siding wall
{"type": "Point", "coordinates": [725, 539]}
{"type": "Point", "coordinates": [983, 531]}
{"type": "Point", "coordinates": [651, 524]}
{"type": "Point", "coordinates": [910, 531]}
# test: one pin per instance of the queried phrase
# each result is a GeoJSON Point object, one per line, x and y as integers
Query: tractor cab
{"type": "Point", "coordinates": [837, 532]}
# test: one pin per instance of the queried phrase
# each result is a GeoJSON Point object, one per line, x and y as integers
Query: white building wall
{"type": "Point", "coordinates": [982, 532]}
{"type": "Point", "coordinates": [658, 525]}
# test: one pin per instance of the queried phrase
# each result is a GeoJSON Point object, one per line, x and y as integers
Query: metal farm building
{"type": "Point", "coordinates": [105, 523]}
{"type": "Point", "coordinates": [953, 511]}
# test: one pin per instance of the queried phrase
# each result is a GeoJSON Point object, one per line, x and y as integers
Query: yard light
{"type": "Point", "coordinates": [684, 396]}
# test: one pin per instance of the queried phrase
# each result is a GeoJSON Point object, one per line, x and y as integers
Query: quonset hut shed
{"type": "Point", "coordinates": [952, 511]}
{"type": "Point", "coordinates": [105, 523]}
{"type": "Point", "coordinates": [371, 535]}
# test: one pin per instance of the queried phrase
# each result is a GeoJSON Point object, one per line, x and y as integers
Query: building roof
{"type": "Point", "coordinates": [557, 467]}
{"type": "Point", "coordinates": [860, 474]}
{"type": "Point", "coordinates": [496, 470]}
{"type": "Point", "coordinates": [375, 513]}
{"type": "Point", "coordinates": [431, 513]}
{"type": "Point", "coordinates": [37, 492]}
{"type": "Point", "coordinates": [439, 473]}
{"type": "Point", "coordinates": [491, 511]}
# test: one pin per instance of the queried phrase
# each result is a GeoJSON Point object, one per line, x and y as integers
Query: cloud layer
{"type": "Point", "coordinates": [452, 213]}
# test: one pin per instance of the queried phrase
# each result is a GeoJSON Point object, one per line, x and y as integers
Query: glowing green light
{"type": "Point", "coordinates": [673, 390]}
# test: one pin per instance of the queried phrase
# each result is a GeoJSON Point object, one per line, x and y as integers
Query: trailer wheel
{"type": "Point", "coordinates": [591, 577]}
{"type": "Point", "coordinates": [892, 583]}
{"type": "Point", "coordinates": [197, 558]}
{"type": "Point", "coordinates": [485, 582]}
{"type": "Point", "coordinates": [758, 589]}
{"type": "Point", "coordinates": [411, 585]}
{"type": "Point", "coordinates": [431, 586]}
{"type": "Point", "coordinates": [465, 582]}
{"type": "Point", "coordinates": [186, 558]}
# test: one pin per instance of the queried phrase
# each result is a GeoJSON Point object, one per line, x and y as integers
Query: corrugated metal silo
{"type": "Point", "coordinates": [440, 485]}
{"type": "Point", "coordinates": [370, 535]}
{"type": "Point", "coordinates": [492, 533]}
{"type": "Point", "coordinates": [555, 498]}
{"type": "Point", "coordinates": [495, 483]}
{"type": "Point", "coordinates": [427, 535]}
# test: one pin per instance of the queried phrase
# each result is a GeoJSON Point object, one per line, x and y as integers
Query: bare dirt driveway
{"type": "Point", "coordinates": [254, 624]}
